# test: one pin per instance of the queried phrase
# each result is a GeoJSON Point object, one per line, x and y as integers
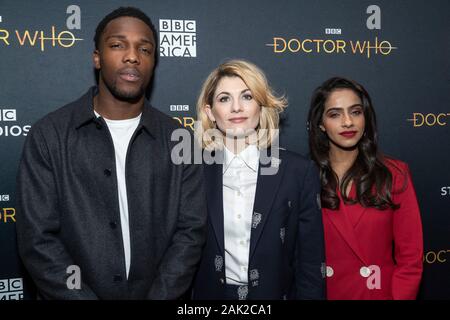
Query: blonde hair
{"type": "Point", "coordinates": [256, 81]}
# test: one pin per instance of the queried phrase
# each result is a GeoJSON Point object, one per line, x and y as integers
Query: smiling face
{"type": "Point", "coordinates": [343, 119]}
{"type": "Point", "coordinates": [234, 107]}
{"type": "Point", "coordinates": [125, 58]}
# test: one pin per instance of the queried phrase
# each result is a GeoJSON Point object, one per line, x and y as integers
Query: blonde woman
{"type": "Point", "coordinates": [265, 233]}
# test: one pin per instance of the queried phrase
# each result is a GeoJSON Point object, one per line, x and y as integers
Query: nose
{"type": "Point", "coordinates": [131, 56]}
{"type": "Point", "coordinates": [236, 106]}
{"type": "Point", "coordinates": [347, 121]}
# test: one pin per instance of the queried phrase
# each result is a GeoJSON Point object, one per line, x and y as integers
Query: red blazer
{"type": "Point", "coordinates": [375, 254]}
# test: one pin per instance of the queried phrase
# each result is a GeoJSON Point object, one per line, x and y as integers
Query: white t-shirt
{"type": "Point", "coordinates": [121, 133]}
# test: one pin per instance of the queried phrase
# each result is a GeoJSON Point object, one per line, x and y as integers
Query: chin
{"type": "Point", "coordinates": [128, 95]}
{"type": "Point", "coordinates": [345, 145]}
{"type": "Point", "coordinates": [348, 146]}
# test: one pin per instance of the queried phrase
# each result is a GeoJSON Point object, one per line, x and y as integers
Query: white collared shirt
{"type": "Point", "coordinates": [240, 174]}
{"type": "Point", "coordinates": [121, 133]}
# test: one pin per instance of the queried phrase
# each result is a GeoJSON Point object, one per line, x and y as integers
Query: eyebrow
{"type": "Point", "coordinates": [226, 92]}
{"type": "Point", "coordinates": [122, 37]}
{"type": "Point", "coordinates": [350, 107]}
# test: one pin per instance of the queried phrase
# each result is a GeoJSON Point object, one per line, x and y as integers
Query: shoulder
{"type": "Point", "coordinates": [300, 171]}
{"type": "Point", "coordinates": [296, 166]}
{"type": "Point", "coordinates": [395, 166]}
{"type": "Point", "coordinates": [400, 172]}
{"type": "Point", "coordinates": [58, 120]}
{"type": "Point", "coordinates": [294, 159]}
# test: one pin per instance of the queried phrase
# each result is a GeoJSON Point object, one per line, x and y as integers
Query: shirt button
{"type": "Point", "coordinates": [117, 278]}
{"type": "Point", "coordinates": [221, 280]}
{"type": "Point", "coordinates": [113, 225]}
{"type": "Point", "coordinates": [242, 242]}
{"type": "Point", "coordinates": [107, 172]}
{"type": "Point", "coordinates": [364, 272]}
{"type": "Point", "coordinates": [239, 216]}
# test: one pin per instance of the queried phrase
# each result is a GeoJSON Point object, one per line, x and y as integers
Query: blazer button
{"type": "Point", "coordinates": [364, 272]}
{"type": "Point", "coordinates": [107, 172]}
{"type": "Point", "coordinates": [117, 278]}
{"type": "Point", "coordinates": [113, 225]}
{"type": "Point", "coordinates": [98, 125]}
{"type": "Point", "coordinates": [330, 271]}
{"type": "Point", "coordinates": [222, 281]}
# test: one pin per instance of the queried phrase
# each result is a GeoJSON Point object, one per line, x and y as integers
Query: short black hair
{"type": "Point", "coordinates": [123, 12]}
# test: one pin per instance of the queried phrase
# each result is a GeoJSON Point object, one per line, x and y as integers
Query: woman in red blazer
{"type": "Point", "coordinates": [372, 225]}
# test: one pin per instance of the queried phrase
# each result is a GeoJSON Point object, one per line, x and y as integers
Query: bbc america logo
{"type": "Point", "coordinates": [11, 289]}
{"type": "Point", "coordinates": [178, 38]}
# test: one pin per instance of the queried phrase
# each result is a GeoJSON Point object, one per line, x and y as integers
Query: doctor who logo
{"type": "Point", "coordinates": [46, 37]}
{"type": "Point", "coordinates": [429, 119]}
{"type": "Point", "coordinates": [438, 256]}
{"type": "Point", "coordinates": [177, 38]}
{"type": "Point", "coordinates": [38, 38]}
{"type": "Point", "coordinates": [11, 289]}
{"type": "Point", "coordinates": [7, 215]}
{"type": "Point", "coordinates": [282, 45]}
{"type": "Point", "coordinates": [373, 47]}
{"type": "Point", "coordinates": [187, 122]}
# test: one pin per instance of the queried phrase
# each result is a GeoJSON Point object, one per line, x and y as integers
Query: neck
{"type": "Point", "coordinates": [341, 160]}
{"type": "Point", "coordinates": [235, 145]}
{"type": "Point", "coordinates": [111, 108]}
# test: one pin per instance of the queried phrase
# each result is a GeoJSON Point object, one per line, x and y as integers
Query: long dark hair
{"type": "Point", "coordinates": [370, 175]}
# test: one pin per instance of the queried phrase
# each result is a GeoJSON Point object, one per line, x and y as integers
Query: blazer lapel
{"type": "Point", "coordinates": [213, 181]}
{"type": "Point", "coordinates": [266, 190]}
{"type": "Point", "coordinates": [361, 210]}
{"type": "Point", "coordinates": [343, 224]}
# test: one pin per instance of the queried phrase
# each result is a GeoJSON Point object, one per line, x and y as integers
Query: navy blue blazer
{"type": "Point", "coordinates": [286, 243]}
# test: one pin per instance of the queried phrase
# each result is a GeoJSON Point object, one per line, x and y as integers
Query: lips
{"type": "Point", "coordinates": [237, 119]}
{"type": "Point", "coordinates": [348, 134]}
{"type": "Point", "coordinates": [130, 74]}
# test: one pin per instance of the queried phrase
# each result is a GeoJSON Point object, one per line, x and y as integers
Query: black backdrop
{"type": "Point", "coordinates": [399, 50]}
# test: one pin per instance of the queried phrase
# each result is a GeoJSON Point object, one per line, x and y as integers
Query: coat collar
{"type": "Point", "coordinates": [85, 113]}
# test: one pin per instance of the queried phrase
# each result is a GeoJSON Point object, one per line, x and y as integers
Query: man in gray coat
{"type": "Point", "coordinates": [103, 211]}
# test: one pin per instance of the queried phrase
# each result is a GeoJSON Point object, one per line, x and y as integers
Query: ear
{"type": "Point", "coordinates": [96, 57]}
{"type": "Point", "coordinates": [209, 113]}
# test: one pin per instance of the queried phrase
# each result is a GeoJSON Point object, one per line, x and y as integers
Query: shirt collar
{"type": "Point", "coordinates": [85, 114]}
{"type": "Point", "coordinates": [250, 156]}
